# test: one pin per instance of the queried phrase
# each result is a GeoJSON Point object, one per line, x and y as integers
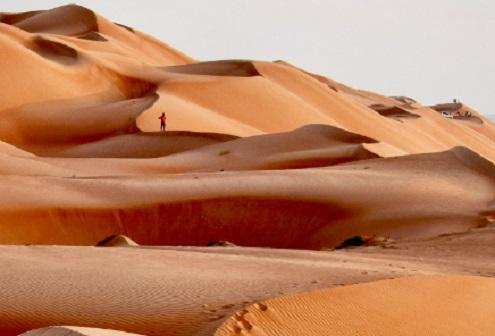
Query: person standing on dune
{"type": "Point", "coordinates": [163, 122]}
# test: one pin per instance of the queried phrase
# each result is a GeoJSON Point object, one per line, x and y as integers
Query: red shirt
{"type": "Point", "coordinates": [163, 118]}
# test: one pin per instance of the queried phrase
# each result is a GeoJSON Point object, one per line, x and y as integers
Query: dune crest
{"type": "Point", "coordinates": [146, 192]}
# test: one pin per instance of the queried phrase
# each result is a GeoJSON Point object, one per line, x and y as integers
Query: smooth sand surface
{"type": "Point", "coordinates": [426, 195]}
{"type": "Point", "coordinates": [97, 68]}
{"type": "Point", "coordinates": [255, 154]}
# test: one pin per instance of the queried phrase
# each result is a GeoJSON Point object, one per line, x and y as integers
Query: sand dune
{"type": "Point", "coordinates": [306, 147]}
{"type": "Point", "coordinates": [61, 125]}
{"type": "Point", "coordinates": [310, 146]}
{"type": "Point", "coordinates": [177, 291]}
{"type": "Point", "coordinates": [69, 20]}
{"type": "Point", "coordinates": [435, 306]}
{"type": "Point", "coordinates": [256, 154]}
{"type": "Point", "coordinates": [266, 208]}
{"type": "Point", "coordinates": [140, 145]}
{"type": "Point", "coordinates": [235, 97]}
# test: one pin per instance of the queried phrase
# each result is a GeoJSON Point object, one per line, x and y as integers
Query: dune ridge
{"type": "Point", "coordinates": [277, 201]}
{"type": "Point", "coordinates": [265, 209]}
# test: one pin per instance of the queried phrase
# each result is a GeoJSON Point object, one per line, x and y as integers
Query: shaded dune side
{"type": "Point", "coordinates": [13, 18]}
{"type": "Point", "coordinates": [65, 123]}
{"type": "Point", "coordinates": [401, 125]}
{"type": "Point", "coordinates": [433, 304]}
{"type": "Point", "coordinates": [54, 51]}
{"type": "Point", "coordinates": [71, 20]}
{"type": "Point", "coordinates": [244, 221]}
{"type": "Point", "coordinates": [237, 68]}
{"type": "Point", "coordinates": [75, 331]}
{"type": "Point", "coordinates": [305, 147]}
{"type": "Point", "coordinates": [140, 145]}
{"type": "Point", "coordinates": [181, 152]}
{"type": "Point", "coordinates": [266, 208]}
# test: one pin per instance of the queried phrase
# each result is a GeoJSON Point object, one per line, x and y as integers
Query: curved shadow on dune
{"type": "Point", "coordinates": [243, 221]}
{"type": "Point", "coordinates": [92, 36]}
{"type": "Point", "coordinates": [473, 119]}
{"type": "Point", "coordinates": [305, 147]}
{"type": "Point", "coordinates": [311, 209]}
{"type": "Point", "coordinates": [393, 111]}
{"type": "Point", "coordinates": [140, 145]}
{"type": "Point", "coordinates": [55, 125]}
{"type": "Point", "coordinates": [474, 161]}
{"type": "Point", "coordinates": [235, 68]}
{"type": "Point", "coordinates": [14, 18]}
{"type": "Point", "coordinates": [54, 51]}
{"type": "Point", "coordinates": [70, 20]}
{"type": "Point", "coordinates": [65, 123]}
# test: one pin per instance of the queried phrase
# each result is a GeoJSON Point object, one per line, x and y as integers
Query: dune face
{"type": "Point", "coordinates": [275, 202]}
{"type": "Point", "coordinates": [376, 309]}
{"type": "Point", "coordinates": [71, 20]}
{"type": "Point", "coordinates": [85, 137]}
{"type": "Point", "coordinates": [144, 290]}
{"type": "Point", "coordinates": [307, 208]}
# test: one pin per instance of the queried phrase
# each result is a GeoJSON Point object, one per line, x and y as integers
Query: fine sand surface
{"type": "Point", "coordinates": [407, 306]}
{"type": "Point", "coordinates": [192, 291]}
{"type": "Point", "coordinates": [104, 76]}
{"type": "Point", "coordinates": [277, 202]}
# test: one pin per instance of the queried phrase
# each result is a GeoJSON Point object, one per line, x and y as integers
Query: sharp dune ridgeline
{"type": "Point", "coordinates": [277, 201]}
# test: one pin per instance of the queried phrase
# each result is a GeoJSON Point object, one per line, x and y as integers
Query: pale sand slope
{"type": "Point", "coordinates": [284, 98]}
{"type": "Point", "coordinates": [414, 196]}
{"type": "Point", "coordinates": [75, 331]}
{"type": "Point", "coordinates": [309, 146]}
{"type": "Point", "coordinates": [191, 291]}
{"type": "Point", "coordinates": [436, 306]}
{"type": "Point", "coordinates": [139, 145]}
{"type": "Point", "coordinates": [89, 59]}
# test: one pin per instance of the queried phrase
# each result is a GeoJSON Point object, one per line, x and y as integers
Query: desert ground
{"type": "Point", "coordinates": [277, 201]}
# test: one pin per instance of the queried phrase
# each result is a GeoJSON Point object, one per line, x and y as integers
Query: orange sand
{"type": "Point", "coordinates": [256, 153]}
{"type": "Point", "coordinates": [408, 306]}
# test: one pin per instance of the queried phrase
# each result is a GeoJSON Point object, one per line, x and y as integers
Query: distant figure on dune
{"type": "Point", "coordinates": [163, 122]}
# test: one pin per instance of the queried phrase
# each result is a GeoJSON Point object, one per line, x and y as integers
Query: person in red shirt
{"type": "Point", "coordinates": [163, 122]}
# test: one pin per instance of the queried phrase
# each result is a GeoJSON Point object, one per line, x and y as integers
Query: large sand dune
{"type": "Point", "coordinates": [307, 208]}
{"type": "Point", "coordinates": [256, 154]}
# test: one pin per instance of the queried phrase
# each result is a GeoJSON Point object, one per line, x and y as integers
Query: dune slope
{"type": "Point", "coordinates": [307, 208]}
{"type": "Point", "coordinates": [435, 306]}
